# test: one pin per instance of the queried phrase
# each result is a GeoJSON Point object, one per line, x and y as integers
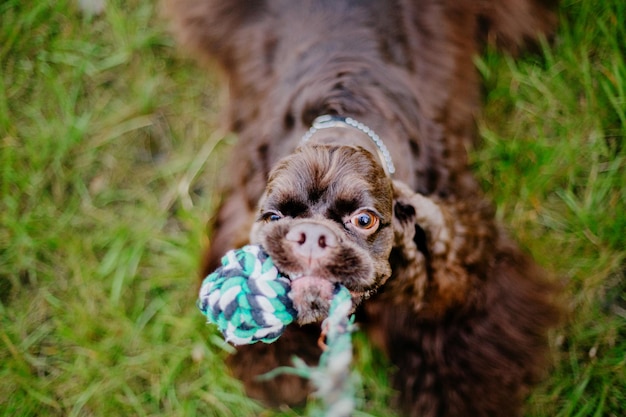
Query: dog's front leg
{"type": "Point", "coordinates": [250, 362]}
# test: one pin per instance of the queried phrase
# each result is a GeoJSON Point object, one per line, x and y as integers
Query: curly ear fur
{"type": "Point", "coordinates": [450, 238]}
{"type": "Point", "coordinates": [465, 314]}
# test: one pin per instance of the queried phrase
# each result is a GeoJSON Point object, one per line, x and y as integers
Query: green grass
{"type": "Point", "coordinates": [109, 153]}
{"type": "Point", "coordinates": [554, 161]}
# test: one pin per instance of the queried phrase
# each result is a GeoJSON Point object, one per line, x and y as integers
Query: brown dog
{"type": "Point", "coordinates": [377, 195]}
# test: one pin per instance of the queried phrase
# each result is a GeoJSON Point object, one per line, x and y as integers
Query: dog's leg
{"type": "Point", "coordinates": [230, 230]}
{"type": "Point", "coordinates": [252, 361]}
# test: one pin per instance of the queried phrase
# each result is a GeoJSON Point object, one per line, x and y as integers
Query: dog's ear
{"type": "Point", "coordinates": [419, 222]}
{"type": "Point", "coordinates": [442, 247]}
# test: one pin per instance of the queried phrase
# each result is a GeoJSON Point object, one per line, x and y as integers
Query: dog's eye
{"type": "Point", "coordinates": [365, 220]}
{"type": "Point", "coordinates": [271, 216]}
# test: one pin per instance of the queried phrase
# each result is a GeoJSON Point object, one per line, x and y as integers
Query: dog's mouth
{"type": "Point", "coordinates": [312, 295]}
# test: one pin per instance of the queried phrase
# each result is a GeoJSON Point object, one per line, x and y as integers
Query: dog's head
{"type": "Point", "coordinates": [326, 219]}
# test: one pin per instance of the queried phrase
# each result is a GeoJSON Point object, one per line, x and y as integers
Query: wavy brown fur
{"type": "Point", "coordinates": [473, 349]}
{"type": "Point", "coordinates": [465, 313]}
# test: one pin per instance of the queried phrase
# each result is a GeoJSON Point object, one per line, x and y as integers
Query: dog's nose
{"type": "Point", "coordinates": [311, 240]}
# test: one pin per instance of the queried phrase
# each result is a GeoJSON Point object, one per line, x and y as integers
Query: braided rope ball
{"type": "Point", "coordinates": [247, 297]}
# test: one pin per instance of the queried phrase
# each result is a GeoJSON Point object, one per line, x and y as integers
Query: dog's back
{"type": "Point", "coordinates": [263, 45]}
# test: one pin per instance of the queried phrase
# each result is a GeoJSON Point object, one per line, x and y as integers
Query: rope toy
{"type": "Point", "coordinates": [332, 375]}
{"type": "Point", "coordinates": [332, 378]}
{"type": "Point", "coordinates": [248, 299]}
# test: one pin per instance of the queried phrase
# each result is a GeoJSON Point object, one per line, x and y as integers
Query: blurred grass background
{"type": "Point", "coordinates": [108, 155]}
